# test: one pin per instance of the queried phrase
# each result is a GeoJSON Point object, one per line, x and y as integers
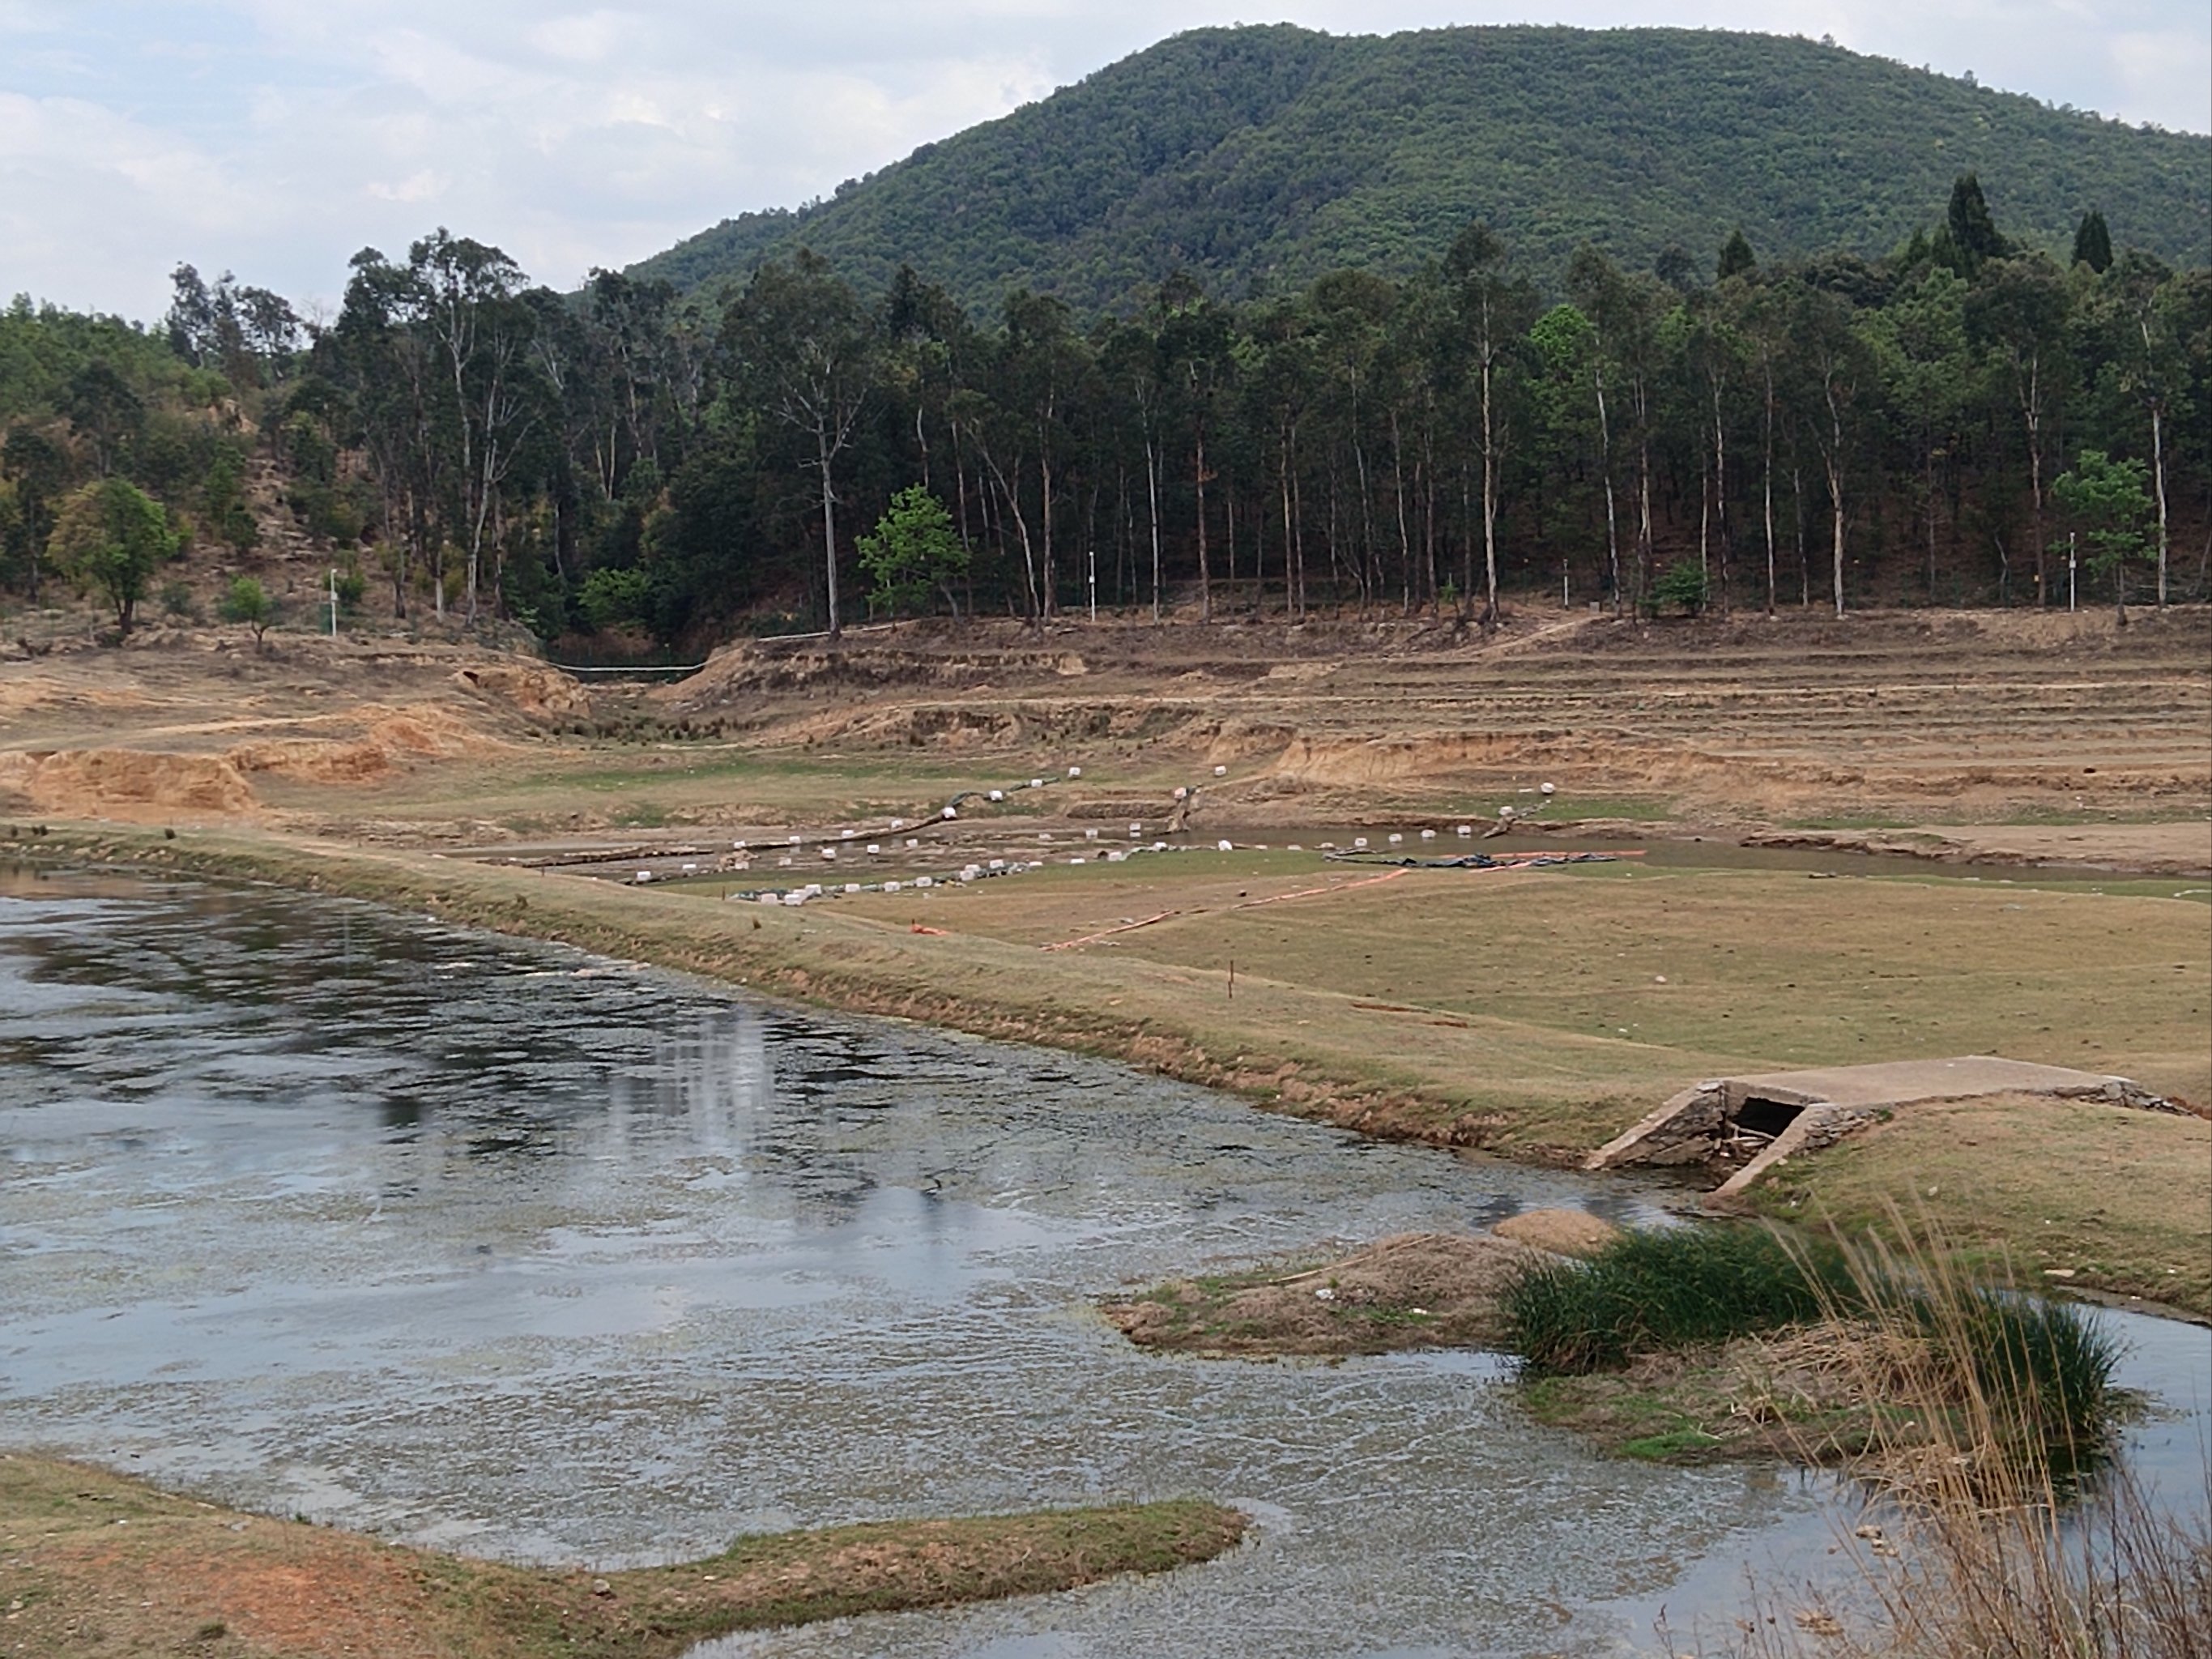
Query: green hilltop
{"type": "Point", "coordinates": [1262, 156]}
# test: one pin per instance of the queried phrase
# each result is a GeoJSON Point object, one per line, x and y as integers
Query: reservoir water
{"type": "Point", "coordinates": [325, 1210]}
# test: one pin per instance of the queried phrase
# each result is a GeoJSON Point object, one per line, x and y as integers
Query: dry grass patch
{"type": "Point", "coordinates": [1410, 1290]}
{"type": "Point", "coordinates": [2078, 1193]}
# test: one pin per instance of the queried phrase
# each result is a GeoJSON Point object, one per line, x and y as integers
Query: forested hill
{"type": "Point", "coordinates": [1261, 157]}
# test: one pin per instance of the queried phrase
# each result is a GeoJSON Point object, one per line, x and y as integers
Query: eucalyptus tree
{"type": "Point", "coordinates": [931, 353]}
{"type": "Point", "coordinates": [1423, 366]}
{"type": "Point", "coordinates": [1133, 374]}
{"type": "Point", "coordinates": [1835, 364]}
{"type": "Point", "coordinates": [1496, 310]}
{"type": "Point", "coordinates": [2137, 301]}
{"type": "Point", "coordinates": [1569, 434]}
{"type": "Point", "coordinates": [465, 295]}
{"type": "Point", "coordinates": [625, 335]}
{"type": "Point", "coordinates": [1624, 310]}
{"type": "Point", "coordinates": [1353, 310]}
{"type": "Point", "coordinates": [1281, 388]}
{"type": "Point", "coordinates": [1713, 361]}
{"type": "Point", "coordinates": [806, 351]}
{"type": "Point", "coordinates": [388, 369]}
{"type": "Point", "coordinates": [1194, 344]}
{"type": "Point", "coordinates": [1919, 341]}
{"type": "Point", "coordinates": [1761, 319]}
{"type": "Point", "coordinates": [251, 335]}
{"type": "Point", "coordinates": [2017, 314]}
{"type": "Point", "coordinates": [1042, 367]}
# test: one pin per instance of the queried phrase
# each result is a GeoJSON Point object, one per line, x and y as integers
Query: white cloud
{"type": "Point", "coordinates": [276, 137]}
{"type": "Point", "coordinates": [586, 40]}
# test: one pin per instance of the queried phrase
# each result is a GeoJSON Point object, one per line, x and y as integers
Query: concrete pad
{"type": "Point", "coordinates": [1899, 1082]}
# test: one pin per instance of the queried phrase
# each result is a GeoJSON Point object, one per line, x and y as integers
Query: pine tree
{"type": "Point", "coordinates": [2093, 242]}
{"type": "Point", "coordinates": [1737, 256]}
{"type": "Point", "coordinates": [1973, 232]}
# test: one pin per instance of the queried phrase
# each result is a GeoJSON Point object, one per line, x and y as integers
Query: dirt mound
{"type": "Point", "coordinates": [1359, 761]}
{"type": "Point", "coordinates": [1410, 1290]}
{"type": "Point", "coordinates": [1563, 1233]}
{"type": "Point", "coordinates": [540, 693]}
{"type": "Point", "coordinates": [758, 668]}
{"type": "Point", "coordinates": [974, 725]}
{"type": "Point", "coordinates": [125, 783]}
{"type": "Point", "coordinates": [392, 738]}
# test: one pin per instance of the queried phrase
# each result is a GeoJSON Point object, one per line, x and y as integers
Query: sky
{"type": "Point", "coordinates": [278, 138]}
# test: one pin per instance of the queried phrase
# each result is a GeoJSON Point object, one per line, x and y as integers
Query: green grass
{"type": "Point", "coordinates": [1650, 1291]}
{"type": "Point", "coordinates": [2046, 1362]}
{"type": "Point", "coordinates": [1670, 1447]}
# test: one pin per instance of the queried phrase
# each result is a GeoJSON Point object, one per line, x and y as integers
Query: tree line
{"type": "Point", "coordinates": [1965, 421]}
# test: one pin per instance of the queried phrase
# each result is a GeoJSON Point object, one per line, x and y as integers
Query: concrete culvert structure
{"type": "Point", "coordinates": [1746, 1125]}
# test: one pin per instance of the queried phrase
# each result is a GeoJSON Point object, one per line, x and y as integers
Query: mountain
{"type": "Point", "coordinates": [1262, 156]}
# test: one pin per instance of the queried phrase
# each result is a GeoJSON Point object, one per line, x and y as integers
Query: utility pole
{"type": "Point", "coordinates": [334, 601]}
{"type": "Point", "coordinates": [1094, 585]}
{"type": "Point", "coordinates": [2070, 562]}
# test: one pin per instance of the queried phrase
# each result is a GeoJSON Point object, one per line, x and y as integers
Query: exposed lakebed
{"type": "Point", "coordinates": [500, 1248]}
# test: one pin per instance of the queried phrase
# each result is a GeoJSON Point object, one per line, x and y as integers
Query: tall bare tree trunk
{"type": "Point", "coordinates": [829, 530]}
{"type": "Point", "coordinates": [1835, 460]}
{"type": "Point", "coordinates": [2158, 473]}
{"type": "Point", "coordinates": [2032, 410]}
{"type": "Point", "coordinates": [1205, 567]}
{"type": "Point", "coordinates": [1490, 492]}
{"type": "Point", "coordinates": [1612, 518]}
{"type": "Point", "coordinates": [1044, 487]}
{"type": "Point", "coordinates": [1720, 498]}
{"type": "Point", "coordinates": [1767, 446]}
{"type": "Point", "coordinates": [1152, 486]}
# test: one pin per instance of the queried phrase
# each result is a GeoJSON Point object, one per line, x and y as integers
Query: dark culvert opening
{"type": "Point", "coordinates": [1766, 1117]}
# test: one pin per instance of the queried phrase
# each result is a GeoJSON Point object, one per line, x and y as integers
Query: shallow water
{"type": "Point", "coordinates": [325, 1210]}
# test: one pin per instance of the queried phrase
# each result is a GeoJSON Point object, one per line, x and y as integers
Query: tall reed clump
{"type": "Point", "coordinates": [1995, 1544]}
{"type": "Point", "coordinates": [1678, 1287]}
{"type": "Point", "coordinates": [1908, 1324]}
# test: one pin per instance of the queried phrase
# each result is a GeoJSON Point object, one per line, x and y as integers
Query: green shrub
{"type": "Point", "coordinates": [246, 601]}
{"type": "Point", "coordinates": [352, 587]}
{"type": "Point", "coordinates": [610, 597]}
{"type": "Point", "coordinates": [1676, 1288]}
{"type": "Point", "coordinates": [2043, 1368]}
{"type": "Point", "coordinates": [1686, 585]}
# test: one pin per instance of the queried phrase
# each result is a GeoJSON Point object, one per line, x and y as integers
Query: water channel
{"type": "Point", "coordinates": [325, 1210]}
